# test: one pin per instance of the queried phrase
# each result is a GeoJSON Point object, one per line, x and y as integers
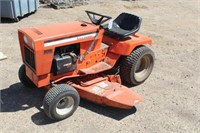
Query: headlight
{"type": "Point", "coordinates": [25, 40]}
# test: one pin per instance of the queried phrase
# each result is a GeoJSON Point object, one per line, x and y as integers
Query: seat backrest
{"type": "Point", "coordinates": [123, 26]}
{"type": "Point", "coordinates": [128, 21]}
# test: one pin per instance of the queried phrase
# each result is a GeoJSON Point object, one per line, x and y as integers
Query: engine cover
{"type": "Point", "coordinates": [64, 64]}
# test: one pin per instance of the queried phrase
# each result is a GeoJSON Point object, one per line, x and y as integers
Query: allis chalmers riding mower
{"type": "Point", "coordinates": [70, 60]}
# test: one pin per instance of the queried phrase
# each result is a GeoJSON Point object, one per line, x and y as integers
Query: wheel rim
{"type": "Point", "coordinates": [65, 105]}
{"type": "Point", "coordinates": [143, 68]}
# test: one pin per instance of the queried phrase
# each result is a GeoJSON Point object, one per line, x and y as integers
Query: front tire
{"type": "Point", "coordinates": [61, 101]}
{"type": "Point", "coordinates": [136, 68]}
{"type": "Point", "coordinates": [23, 78]}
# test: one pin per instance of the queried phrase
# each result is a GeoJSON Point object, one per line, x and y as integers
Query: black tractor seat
{"type": "Point", "coordinates": [123, 26]}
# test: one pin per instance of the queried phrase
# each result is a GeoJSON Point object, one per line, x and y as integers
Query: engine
{"type": "Point", "coordinates": [65, 59]}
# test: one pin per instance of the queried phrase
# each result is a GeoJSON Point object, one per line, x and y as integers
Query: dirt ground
{"type": "Point", "coordinates": [171, 94]}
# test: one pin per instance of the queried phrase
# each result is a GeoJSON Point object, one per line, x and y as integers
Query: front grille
{"type": "Point", "coordinates": [29, 57]}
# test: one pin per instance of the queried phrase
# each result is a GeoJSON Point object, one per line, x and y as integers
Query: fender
{"type": "Point", "coordinates": [126, 46]}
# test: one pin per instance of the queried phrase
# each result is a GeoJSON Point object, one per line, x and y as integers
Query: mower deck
{"type": "Point", "coordinates": [102, 91]}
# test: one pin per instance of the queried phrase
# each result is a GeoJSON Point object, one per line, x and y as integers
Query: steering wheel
{"type": "Point", "coordinates": [97, 21]}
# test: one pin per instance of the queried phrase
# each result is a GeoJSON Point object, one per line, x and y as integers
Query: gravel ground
{"type": "Point", "coordinates": [171, 93]}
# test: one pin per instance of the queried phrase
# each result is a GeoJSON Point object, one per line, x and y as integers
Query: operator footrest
{"type": "Point", "coordinates": [101, 66]}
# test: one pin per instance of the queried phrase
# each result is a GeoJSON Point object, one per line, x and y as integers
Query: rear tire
{"type": "Point", "coordinates": [136, 68]}
{"type": "Point", "coordinates": [61, 101]}
{"type": "Point", "coordinates": [23, 78]}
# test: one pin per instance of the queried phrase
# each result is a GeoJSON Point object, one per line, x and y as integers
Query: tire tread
{"type": "Point", "coordinates": [52, 94]}
{"type": "Point", "coordinates": [128, 61]}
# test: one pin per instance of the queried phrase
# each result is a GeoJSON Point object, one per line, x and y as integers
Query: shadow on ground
{"type": "Point", "coordinates": [115, 113]}
{"type": "Point", "coordinates": [7, 20]}
{"type": "Point", "coordinates": [15, 20]}
{"type": "Point", "coordinates": [17, 98]}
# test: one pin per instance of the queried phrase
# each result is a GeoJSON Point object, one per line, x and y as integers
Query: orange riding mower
{"type": "Point", "coordinates": [71, 61]}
